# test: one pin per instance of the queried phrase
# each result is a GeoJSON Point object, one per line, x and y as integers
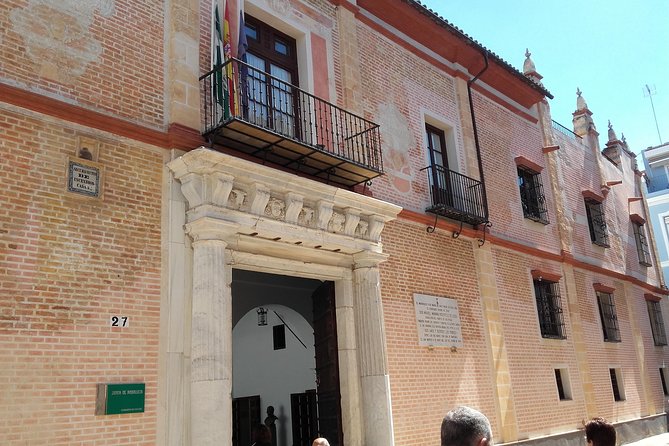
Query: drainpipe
{"type": "Point", "coordinates": [476, 134]}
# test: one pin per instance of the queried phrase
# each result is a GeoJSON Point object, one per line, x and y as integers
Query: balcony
{"type": "Point", "coordinates": [261, 115]}
{"type": "Point", "coordinates": [456, 196]}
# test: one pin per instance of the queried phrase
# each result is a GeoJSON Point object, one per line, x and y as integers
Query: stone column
{"type": "Point", "coordinates": [211, 334]}
{"type": "Point", "coordinates": [349, 376]}
{"type": "Point", "coordinates": [371, 338]}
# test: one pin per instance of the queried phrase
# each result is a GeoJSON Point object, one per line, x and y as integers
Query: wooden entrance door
{"type": "Point", "coordinates": [245, 417]}
{"type": "Point", "coordinates": [327, 364]}
{"type": "Point", "coordinates": [304, 417]}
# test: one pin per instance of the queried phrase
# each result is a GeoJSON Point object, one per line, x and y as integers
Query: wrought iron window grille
{"type": "Point", "coordinates": [642, 248]}
{"type": "Point", "coordinates": [597, 223]}
{"type": "Point", "coordinates": [608, 317]}
{"type": "Point", "coordinates": [656, 322]}
{"type": "Point", "coordinates": [549, 309]}
{"type": "Point", "coordinates": [532, 195]}
{"type": "Point", "coordinates": [615, 386]}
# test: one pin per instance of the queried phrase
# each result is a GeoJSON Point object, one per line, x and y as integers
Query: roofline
{"type": "Point", "coordinates": [458, 32]}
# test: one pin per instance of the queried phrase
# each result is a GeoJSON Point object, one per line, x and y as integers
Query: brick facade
{"type": "Point", "coordinates": [122, 75]}
{"type": "Point", "coordinates": [68, 265]}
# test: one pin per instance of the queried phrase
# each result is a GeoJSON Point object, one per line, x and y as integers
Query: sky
{"type": "Point", "coordinates": [609, 49]}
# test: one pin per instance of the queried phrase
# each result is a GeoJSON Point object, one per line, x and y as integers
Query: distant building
{"type": "Point", "coordinates": [656, 164]}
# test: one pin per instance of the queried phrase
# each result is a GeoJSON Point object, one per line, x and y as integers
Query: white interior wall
{"type": "Point", "coordinates": [258, 369]}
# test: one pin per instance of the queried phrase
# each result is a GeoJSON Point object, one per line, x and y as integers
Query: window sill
{"type": "Point", "coordinates": [539, 220]}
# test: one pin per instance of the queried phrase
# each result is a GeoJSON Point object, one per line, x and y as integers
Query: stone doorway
{"type": "Point", "coordinates": [230, 214]}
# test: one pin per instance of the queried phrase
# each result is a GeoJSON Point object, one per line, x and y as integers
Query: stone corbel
{"type": "Point", "coordinates": [325, 210]}
{"type": "Point", "coordinates": [376, 224]}
{"type": "Point", "coordinates": [352, 220]}
{"type": "Point", "coordinates": [294, 203]}
{"type": "Point", "coordinates": [191, 187]}
{"type": "Point", "coordinates": [202, 189]}
{"type": "Point", "coordinates": [220, 185]}
{"type": "Point", "coordinates": [258, 199]}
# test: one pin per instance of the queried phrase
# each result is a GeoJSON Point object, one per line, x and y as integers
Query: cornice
{"type": "Point", "coordinates": [265, 204]}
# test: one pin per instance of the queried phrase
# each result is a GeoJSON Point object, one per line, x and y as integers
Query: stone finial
{"type": "Point", "coordinates": [530, 70]}
{"type": "Point", "coordinates": [580, 102]}
{"type": "Point", "coordinates": [528, 66]}
{"type": "Point", "coordinates": [624, 141]}
{"type": "Point", "coordinates": [612, 133]}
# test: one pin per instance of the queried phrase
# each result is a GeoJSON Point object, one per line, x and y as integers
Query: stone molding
{"type": "Point", "coordinates": [267, 203]}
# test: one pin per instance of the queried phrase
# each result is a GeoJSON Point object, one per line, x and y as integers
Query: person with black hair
{"type": "Point", "coordinates": [464, 426]}
{"type": "Point", "coordinates": [599, 432]}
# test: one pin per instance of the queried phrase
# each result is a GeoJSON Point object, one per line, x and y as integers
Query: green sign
{"type": "Point", "coordinates": [114, 399]}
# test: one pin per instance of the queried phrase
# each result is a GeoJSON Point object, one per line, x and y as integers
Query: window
{"type": "Point", "coordinates": [607, 315]}
{"type": "Point", "coordinates": [663, 379]}
{"type": "Point", "coordinates": [272, 101]}
{"type": "Point", "coordinates": [563, 384]}
{"type": "Point", "coordinates": [656, 322]}
{"type": "Point", "coordinates": [549, 308]}
{"type": "Point", "coordinates": [597, 222]}
{"type": "Point", "coordinates": [617, 384]}
{"type": "Point", "coordinates": [279, 336]}
{"type": "Point", "coordinates": [532, 195]}
{"type": "Point", "coordinates": [641, 244]}
{"type": "Point", "coordinates": [440, 177]}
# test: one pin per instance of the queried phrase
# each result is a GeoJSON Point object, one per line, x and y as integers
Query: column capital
{"type": "Point", "coordinates": [207, 228]}
{"type": "Point", "coordinates": [367, 259]}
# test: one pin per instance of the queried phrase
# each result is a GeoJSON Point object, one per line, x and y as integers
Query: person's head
{"type": "Point", "coordinates": [262, 434]}
{"type": "Point", "coordinates": [270, 410]}
{"type": "Point", "coordinates": [599, 432]}
{"type": "Point", "coordinates": [464, 426]}
{"type": "Point", "coordinates": [320, 442]}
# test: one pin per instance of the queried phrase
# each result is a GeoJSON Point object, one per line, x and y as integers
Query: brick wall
{"type": "Point", "coordinates": [604, 355]}
{"type": "Point", "coordinates": [503, 137]}
{"type": "Point", "coordinates": [102, 55]}
{"type": "Point", "coordinates": [396, 80]}
{"type": "Point", "coordinates": [426, 383]}
{"type": "Point", "coordinates": [66, 266]}
{"type": "Point", "coordinates": [533, 359]}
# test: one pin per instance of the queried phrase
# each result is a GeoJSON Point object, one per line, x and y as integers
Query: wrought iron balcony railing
{"type": "Point", "coordinates": [565, 131]}
{"type": "Point", "coordinates": [456, 196]}
{"type": "Point", "coordinates": [252, 111]}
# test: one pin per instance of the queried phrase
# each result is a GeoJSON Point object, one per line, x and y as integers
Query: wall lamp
{"type": "Point", "coordinates": [262, 316]}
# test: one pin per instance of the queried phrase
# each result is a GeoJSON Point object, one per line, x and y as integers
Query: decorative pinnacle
{"type": "Point", "coordinates": [529, 69]}
{"type": "Point", "coordinates": [612, 133]}
{"type": "Point", "coordinates": [580, 101]}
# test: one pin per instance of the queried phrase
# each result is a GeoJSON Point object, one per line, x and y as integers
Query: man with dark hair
{"type": "Point", "coordinates": [599, 432]}
{"type": "Point", "coordinates": [464, 426]}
